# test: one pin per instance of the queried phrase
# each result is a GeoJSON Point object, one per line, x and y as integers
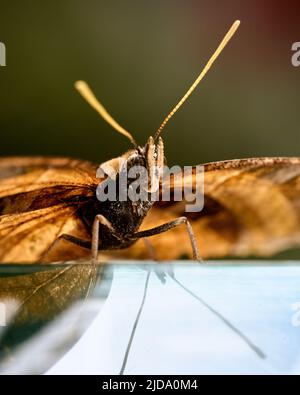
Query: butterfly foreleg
{"type": "Point", "coordinates": [168, 226]}
{"type": "Point", "coordinates": [151, 250]}
{"type": "Point", "coordinates": [72, 239]}
{"type": "Point", "coordinates": [99, 220]}
{"type": "Point", "coordinates": [92, 245]}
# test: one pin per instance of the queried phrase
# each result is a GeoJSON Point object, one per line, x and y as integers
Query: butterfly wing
{"type": "Point", "coordinates": [39, 201]}
{"type": "Point", "coordinates": [251, 207]}
{"type": "Point", "coordinates": [35, 296]}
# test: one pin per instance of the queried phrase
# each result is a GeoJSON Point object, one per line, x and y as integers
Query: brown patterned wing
{"type": "Point", "coordinates": [39, 200]}
{"type": "Point", "coordinates": [251, 207]}
{"type": "Point", "coordinates": [44, 291]}
{"type": "Point", "coordinates": [35, 296]}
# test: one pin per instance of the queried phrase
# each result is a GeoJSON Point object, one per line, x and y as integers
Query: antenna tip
{"type": "Point", "coordinates": [80, 84]}
{"type": "Point", "coordinates": [237, 22]}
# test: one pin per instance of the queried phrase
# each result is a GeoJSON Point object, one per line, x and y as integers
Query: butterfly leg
{"type": "Point", "coordinates": [99, 220]}
{"type": "Point", "coordinates": [56, 242]}
{"type": "Point", "coordinates": [151, 250]}
{"type": "Point", "coordinates": [91, 245]}
{"type": "Point", "coordinates": [94, 245]}
{"type": "Point", "coordinates": [170, 225]}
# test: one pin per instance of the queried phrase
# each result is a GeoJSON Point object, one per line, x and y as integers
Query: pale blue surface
{"type": "Point", "coordinates": [177, 334]}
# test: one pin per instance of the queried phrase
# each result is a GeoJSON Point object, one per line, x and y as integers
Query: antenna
{"type": "Point", "coordinates": [208, 65]}
{"type": "Point", "coordinates": [86, 92]}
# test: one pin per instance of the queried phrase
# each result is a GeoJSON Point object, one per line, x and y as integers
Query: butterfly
{"type": "Point", "coordinates": [49, 210]}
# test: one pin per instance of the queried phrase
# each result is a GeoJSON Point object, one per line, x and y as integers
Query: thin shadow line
{"type": "Point", "coordinates": [256, 349]}
{"type": "Point", "coordinates": [135, 326]}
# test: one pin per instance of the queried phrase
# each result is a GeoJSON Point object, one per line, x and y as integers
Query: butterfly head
{"type": "Point", "coordinates": [154, 154]}
{"type": "Point", "coordinates": [151, 157]}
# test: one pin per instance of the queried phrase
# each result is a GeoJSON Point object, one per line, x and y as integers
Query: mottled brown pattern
{"type": "Point", "coordinates": [35, 297]}
{"type": "Point", "coordinates": [252, 207]}
{"type": "Point", "coordinates": [40, 199]}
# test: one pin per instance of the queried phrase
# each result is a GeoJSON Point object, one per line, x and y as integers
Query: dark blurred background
{"type": "Point", "coordinates": [140, 57]}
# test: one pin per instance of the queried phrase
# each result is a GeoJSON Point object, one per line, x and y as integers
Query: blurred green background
{"type": "Point", "coordinates": [140, 57]}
